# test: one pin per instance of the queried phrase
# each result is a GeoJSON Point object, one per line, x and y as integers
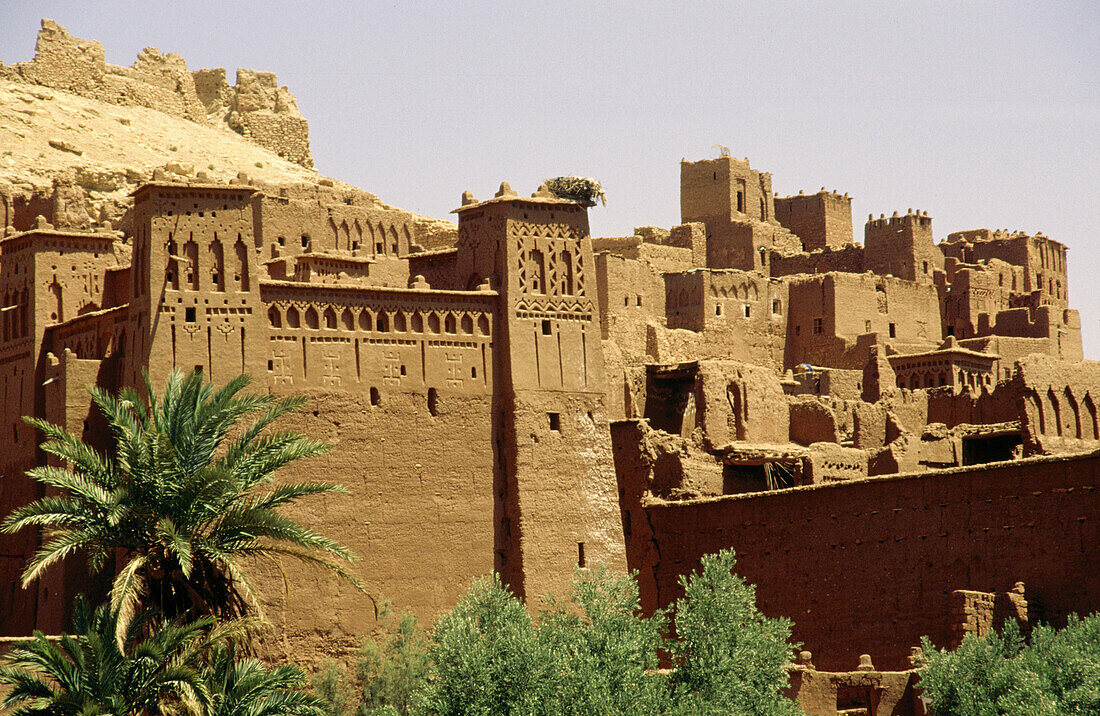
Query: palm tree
{"type": "Point", "coordinates": [249, 688]}
{"type": "Point", "coordinates": [184, 495]}
{"type": "Point", "coordinates": [93, 672]}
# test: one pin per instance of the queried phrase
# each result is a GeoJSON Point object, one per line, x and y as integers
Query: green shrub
{"type": "Point", "coordinates": [1058, 673]}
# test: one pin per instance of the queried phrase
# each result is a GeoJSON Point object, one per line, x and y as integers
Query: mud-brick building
{"type": "Point", "coordinates": [524, 398]}
{"type": "Point", "coordinates": [468, 423]}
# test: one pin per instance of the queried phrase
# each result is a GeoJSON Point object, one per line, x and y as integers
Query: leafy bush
{"type": "Point", "coordinates": [391, 668]}
{"type": "Point", "coordinates": [1058, 673]}
{"type": "Point", "coordinates": [731, 657]}
{"type": "Point", "coordinates": [595, 655]}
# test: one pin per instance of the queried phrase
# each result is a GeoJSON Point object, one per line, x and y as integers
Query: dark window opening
{"type": "Point", "coordinates": [375, 397]}
{"type": "Point", "coordinates": [402, 370]}
{"type": "Point", "coordinates": [893, 330]}
{"type": "Point", "coordinates": [189, 314]}
{"type": "Point", "coordinates": [950, 330]}
{"type": "Point", "coordinates": [994, 448]}
{"type": "Point", "coordinates": [748, 311]}
{"type": "Point", "coordinates": [546, 327]}
{"type": "Point", "coordinates": [433, 401]}
{"type": "Point", "coordinates": [819, 326]}
{"type": "Point", "coordinates": [198, 369]}
{"type": "Point", "coordinates": [580, 554]}
{"type": "Point", "coordinates": [378, 248]}
{"type": "Point", "coordinates": [926, 267]}
{"type": "Point", "coordinates": [555, 421]}
{"type": "Point", "coordinates": [741, 201]}
{"type": "Point", "coordinates": [271, 365]}
{"type": "Point", "coordinates": [855, 699]}
{"type": "Point", "coordinates": [718, 309]}
{"type": "Point", "coordinates": [473, 372]}
{"type": "Point", "coordinates": [639, 300]}
{"type": "Point", "coordinates": [626, 300]}
{"type": "Point", "coordinates": [305, 241]}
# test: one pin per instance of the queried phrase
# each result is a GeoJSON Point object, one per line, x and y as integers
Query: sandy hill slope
{"type": "Point", "coordinates": [75, 160]}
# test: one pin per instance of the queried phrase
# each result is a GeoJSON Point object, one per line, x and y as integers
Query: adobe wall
{"type": "Point", "coordinates": [821, 220]}
{"type": "Point", "coordinates": [831, 314]}
{"type": "Point", "coordinates": [848, 259]}
{"type": "Point", "coordinates": [901, 246]}
{"type": "Point", "coordinates": [1042, 259]}
{"type": "Point", "coordinates": [739, 314]}
{"type": "Point", "coordinates": [869, 566]}
{"type": "Point", "coordinates": [419, 515]}
{"type": "Point", "coordinates": [632, 295]}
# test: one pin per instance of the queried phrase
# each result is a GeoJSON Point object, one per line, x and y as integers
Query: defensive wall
{"type": "Point", "coordinates": [868, 566]}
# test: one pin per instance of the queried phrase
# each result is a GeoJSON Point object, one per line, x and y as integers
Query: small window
{"type": "Point", "coordinates": [818, 326]}
{"type": "Point", "coordinates": [748, 310]}
{"type": "Point", "coordinates": [639, 300]}
{"type": "Point", "coordinates": [718, 309]}
{"type": "Point", "coordinates": [580, 554]}
{"type": "Point", "coordinates": [626, 300]}
{"type": "Point", "coordinates": [271, 365]}
{"type": "Point", "coordinates": [198, 369]}
{"type": "Point", "coordinates": [305, 241]}
{"type": "Point", "coordinates": [473, 371]}
{"type": "Point", "coordinates": [950, 330]}
{"type": "Point", "coordinates": [797, 330]}
{"type": "Point", "coordinates": [433, 402]}
{"type": "Point", "coordinates": [375, 397]}
{"type": "Point", "coordinates": [378, 248]}
{"type": "Point", "coordinates": [893, 330]}
{"type": "Point", "coordinates": [867, 326]}
{"type": "Point", "coordinates": [926, 267]}
{"type": "Point", "coordinates": [189, 314]}
{"type": "Point", "coordinates": [546, 327]}
{"type": "Point", "coordinates": [777, 307]}
{"type": "Point", "coordinates": [555, 421]}
{"type": "Point", "coordinates": [402, 369]}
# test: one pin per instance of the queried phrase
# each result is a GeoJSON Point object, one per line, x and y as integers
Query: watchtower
{"type": "Point", "coordinates": [556, 505]}
{"type": "Point", "coordinates": [902, 246]}
{"type": "Point", "coordinates": [195, 294]}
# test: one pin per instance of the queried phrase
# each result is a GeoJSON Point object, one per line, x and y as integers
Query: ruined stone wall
{"type": "Point", "coordinates": [256, 107]}
{"type": "Point", "coordinates": [821, 220]}
{"type": "Point", "coordinates": [869, 566]}
{"type": "Point", "coordinates": [286, 135]}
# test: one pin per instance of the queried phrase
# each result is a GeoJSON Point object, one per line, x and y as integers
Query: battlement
{"type": "Point", "coordinates": [910, 218]}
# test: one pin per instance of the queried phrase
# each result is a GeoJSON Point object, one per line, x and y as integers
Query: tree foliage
{"type": "Point", "coordinates": [92, 672]}
{"type": "Point", "coordinates": [595, 655]}
{"type": "Point", "coordinates": [185, 493]}
{"type": "Point", "coordinates": [1000, 673]}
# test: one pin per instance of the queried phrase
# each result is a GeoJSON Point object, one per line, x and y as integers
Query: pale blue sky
{"type": "Point", "coordinates": [983, 113]}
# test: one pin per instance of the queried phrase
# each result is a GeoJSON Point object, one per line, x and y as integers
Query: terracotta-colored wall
{"type": "Point", "coordinates": [869, 566]}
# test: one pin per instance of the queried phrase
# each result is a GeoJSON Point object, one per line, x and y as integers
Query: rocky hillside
{"type": "Point", "coordinates": [78, 135]}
